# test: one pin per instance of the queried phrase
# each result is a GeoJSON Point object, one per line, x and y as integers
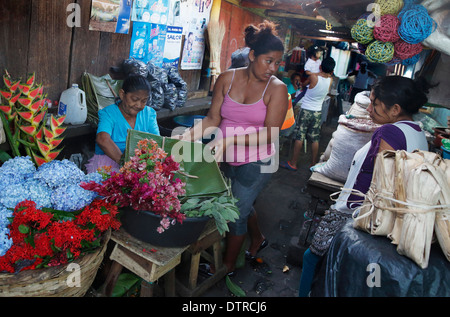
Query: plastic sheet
{"type": "Point", "coordinates": [359, 264]}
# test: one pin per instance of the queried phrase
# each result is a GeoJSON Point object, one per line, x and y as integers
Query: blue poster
{"type": "Point", "coordinates": [110, 16]}
{"type": "Point", "coordinates": [123, 20]}
{"type": "Point", "coordinates": [147, 42]}
{"type": "Point", "coordinates": [138, 45]}
{"type": "Point", "coordinates": [156, 44]}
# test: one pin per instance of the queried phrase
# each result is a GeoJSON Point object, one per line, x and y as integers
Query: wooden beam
{"type": "Point", "coordinates": [287, 15]}
{"type": "Point", "coordinates": [326, 38]}
{"type": "Point", "coordinates": [345, 3]}
{"type": "Point", "coordinates": [276, 5]}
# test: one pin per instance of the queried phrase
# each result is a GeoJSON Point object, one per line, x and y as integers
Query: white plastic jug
{"type": "Point", "coordinates": [73, 104]}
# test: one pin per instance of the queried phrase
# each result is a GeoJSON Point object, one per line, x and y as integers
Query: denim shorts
{"type": "Point", "coordinates": [247, 181]}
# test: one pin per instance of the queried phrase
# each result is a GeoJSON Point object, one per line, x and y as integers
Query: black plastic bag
{"type": "Point", "coordinates": [157, 73]}
{"type": "Point", "coordinates": [182, 95]}
{"type": "Point", "coordinates": [157, 95]}
{"type": "Point", "coordinates": [134, 66]}
{"type": "Point", "coordinates": [175, 77]}
{"type": "Point", "coordinates": [170, 96]}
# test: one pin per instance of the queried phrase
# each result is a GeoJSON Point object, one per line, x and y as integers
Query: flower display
{"type": "Point", "coordinates": [47, 237]}
{"type": "Point", "coordinates": [52, 192]}
{"type": "Point", "coordinates": [145, 182]}
{"type": "Point", "coordinates": [53, 185]}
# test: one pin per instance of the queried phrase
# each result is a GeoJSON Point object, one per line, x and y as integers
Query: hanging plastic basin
{"type": "Point", "coordinates": [445, 153]}
{"type": "Point", "coordinates": [187, 121]}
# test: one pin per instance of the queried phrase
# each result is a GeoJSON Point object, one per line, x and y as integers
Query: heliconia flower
{"type": "Point", "coordinates": [6, 109]}
{"type": "Point", "coordinates": [33, 93]}
{"type": "Point", "coordinates": [23, 104]}
{"type": "Point", "coordinates": [6, 94]}
{"type": "Point", "coordinates": [26, 115]}
{"type": "Point", "coordinates": [28, 129]}
{"type": "Point", "coordinates": [30, 79]}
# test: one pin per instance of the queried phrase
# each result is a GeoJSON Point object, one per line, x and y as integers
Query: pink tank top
{"type": "Point", "coordinates": [239, 119]}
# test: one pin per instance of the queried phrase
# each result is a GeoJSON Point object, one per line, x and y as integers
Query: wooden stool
{"type": "Point", "coordinates": [145, 260]}
{"type": "Point", "coordinates": [151, 262]}
{"type": "Point", "coordinates": [210, 238]}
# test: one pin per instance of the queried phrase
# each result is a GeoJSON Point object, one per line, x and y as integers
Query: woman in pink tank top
{"type": "Point", "coordinates": [248, 107]}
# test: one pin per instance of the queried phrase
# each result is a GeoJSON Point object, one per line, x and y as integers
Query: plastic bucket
{"type": "Point", "coordinates": [445, 153]}
{"type": "Point", "coordinates": [187, 121]}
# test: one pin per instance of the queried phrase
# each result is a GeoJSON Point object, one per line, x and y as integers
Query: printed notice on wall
{"type": "Point", "coordinates": [172, 46]}
{"type": "Point", "coordinates": [110, 16]}
{"type": "Point", "coordinates": [152, 11]}
{"type": "Point", "coordinates": [147, 42]}
{"type": "Point", "coordinates": [194, 43]}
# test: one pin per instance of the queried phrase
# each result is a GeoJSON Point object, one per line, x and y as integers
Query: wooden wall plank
{"type": "Point", "coordinates": [85, 46]}
{"type": "Point", "coordinates": [14, 35]}
{"type": "Point", "coordinates": [49, 45]}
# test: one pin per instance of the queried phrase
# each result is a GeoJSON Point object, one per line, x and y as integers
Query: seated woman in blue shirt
{"type": "Point", "coordinates": [129, 112]}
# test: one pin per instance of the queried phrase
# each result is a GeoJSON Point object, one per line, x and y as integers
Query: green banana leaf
{"type": "Point", "coordinates": [203, 174]}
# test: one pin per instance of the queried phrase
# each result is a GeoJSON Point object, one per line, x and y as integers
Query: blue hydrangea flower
{"type": "Point", "coordinates": [94, 176]}
{"type": "Point", "coordinates": [55, 173]}
{"type": "Point", "coordinates": [39, 192]}
{"type": "Point", "coordinates": [16, 171]}
{"type": "Point", "coordinates": [13, 194]}
{"type": "Point", "coordinates": [71, 197]}
{"type": "Point", "coordinates": [5, 241]}
{"type": "Point", "coordinates": [22, 165]}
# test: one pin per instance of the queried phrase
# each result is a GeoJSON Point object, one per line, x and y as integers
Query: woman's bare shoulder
{"type": "Point", "coordinates": [277, 85]}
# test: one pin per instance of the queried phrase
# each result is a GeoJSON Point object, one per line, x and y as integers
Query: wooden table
{"type": "Point", "coordinates": [152, 262]}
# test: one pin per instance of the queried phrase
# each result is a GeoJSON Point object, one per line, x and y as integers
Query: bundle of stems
{"type": "Point", "coordinates": [383, 218]}
{"type": "Point", "coordinates": [422, 193]}
{"type": "Point", "coordinates": [409, 201]}
{"type": "Point", "coordinates": [405, 162]}
{"type": "Point", "coordinates": [373, 217]}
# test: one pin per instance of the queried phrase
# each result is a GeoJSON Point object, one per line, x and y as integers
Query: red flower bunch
{"type": "Point", "coordinates": [145, 182]}
{"type": "Point", "coordinates": [50, 238]}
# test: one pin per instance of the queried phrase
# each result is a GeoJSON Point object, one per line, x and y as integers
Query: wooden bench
{"type": "Point", "coordinates": [152, 263]}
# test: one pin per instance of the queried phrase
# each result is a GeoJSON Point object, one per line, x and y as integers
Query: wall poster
{"type": "Point", "coordinates": [172, 46]}
{"type": "Point", "coordinates": [148, 41]}
{"type": "Point", "coordinates": [194, 43]}
{"type": "Point", "coordinates": [110, 16]}
{"type": "Point", "coordinates": [153, 11]}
